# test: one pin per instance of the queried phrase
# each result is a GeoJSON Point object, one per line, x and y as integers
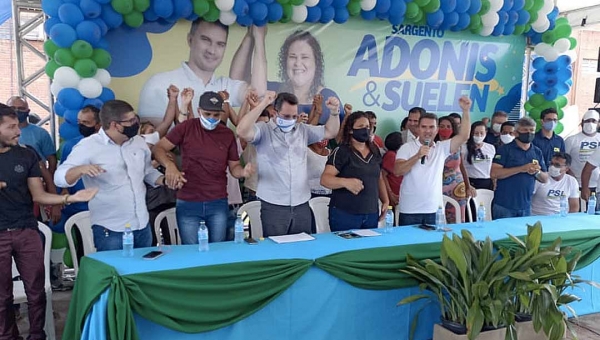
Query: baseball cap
{"type": "Point", "coordinates": [591, 114]}
{"type": "Point", "coordinates": [211, 101]}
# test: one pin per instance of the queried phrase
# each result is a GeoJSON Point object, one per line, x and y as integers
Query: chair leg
{"type": "Point", "coordinates": [49, 327]}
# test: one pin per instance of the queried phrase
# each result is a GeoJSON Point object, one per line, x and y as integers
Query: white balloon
{"type": "Point", "coordinates": [367, 5]}
{"type": "Point", "coordinates": [103, 77]}
{"type": "Point", "coordinates": [89, 87]}
{"type": "Point", "coordinates": [547, 7]}
{"type": "Point", "coordinates": [486, 31]}
{"type": "Point", "coordinates": [311, 3]}
{"type": "Point", "coordinates": [541, 48]}
{"type": "Point", "coordinates": [490, 19]}
{"type": "Point", "coordinates": [551, 54]}
{"type": "Point", "coordinates": [541, 25]}
{"type": "Point", "coordinates": [55, 88]}
{"type": "Point", "coordinates": [224, 5]}
{"type": "Point", "coordinates": [495, 5]}
{"type": "Point", "coordinates": [299, 14]}
{"type": "Point", "coordinates": [562, 45]}
{"type": "Point", "coordinates": [227, 17]}
{"type": "Point", "coordinates": [66, 77]}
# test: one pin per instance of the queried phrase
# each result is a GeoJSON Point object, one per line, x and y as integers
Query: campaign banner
{"type": "Point", "coordinates": [372, 65]}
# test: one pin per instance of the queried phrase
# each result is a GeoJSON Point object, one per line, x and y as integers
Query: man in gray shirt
{"type": "Point", "coordinates": [281, 146]}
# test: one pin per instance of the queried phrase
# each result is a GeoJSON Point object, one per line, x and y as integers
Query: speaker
{"type": "Point", "coordinates": [597, 91]}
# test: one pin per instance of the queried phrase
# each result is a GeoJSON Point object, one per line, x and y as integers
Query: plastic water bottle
{"type": "Point", "coordinates": [238, 229]}
{"type": "Point", "coordinates": [202, 237]}
{"type": "Point", "coordinates": [564, 207]}
{"type": "Point", "coordinates": [592, 204]}
{"type": "Point", "coordinates": [440, 219]}
{"type": "Point", "coordinates": [128, 241]}
{"type": "Point", "coordinates": [481, 215]}
{"type": "Point", "coordinates": [389, 220]}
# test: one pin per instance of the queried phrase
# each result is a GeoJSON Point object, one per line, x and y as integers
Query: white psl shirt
{"type": "Point", "coordinates": [546, 196]}
{"type": "Point", "coordinates": [421, 189]}
{"type": "Point", "coordinates": [580, 147]}
{"type": "Point", "coordinates": [482, 166]}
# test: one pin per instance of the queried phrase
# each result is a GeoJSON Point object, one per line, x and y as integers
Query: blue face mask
{"type": "Point", "coordinates": [549, 126]}
{"type": "Point", "coordinates": [22, 116]}
{"type": "Point", "coordinates": [286, 125]}
{"type": "Point", "coordinates": [209, 123]}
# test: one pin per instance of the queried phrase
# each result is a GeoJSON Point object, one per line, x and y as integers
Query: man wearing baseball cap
{"type": "Point", "coordinates": [207, 149]}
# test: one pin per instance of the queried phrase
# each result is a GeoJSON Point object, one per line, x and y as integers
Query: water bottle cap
{"type": "Point", "coordinates": [390, 207]}
{"type": "Point", "coordinates": [481, 203]}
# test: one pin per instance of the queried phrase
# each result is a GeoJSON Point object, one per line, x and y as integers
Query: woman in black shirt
{"type": "Point", "coordinates": [353, 172]}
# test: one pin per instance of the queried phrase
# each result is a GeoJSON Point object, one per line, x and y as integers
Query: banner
{"type": "Point", "coordinates": [372, 65]}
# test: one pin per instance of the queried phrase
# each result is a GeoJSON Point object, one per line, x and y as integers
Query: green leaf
{"type": "Point", "coordinates": [520, 276]}
{"type": "Point", "coordinates": [413, 298]}
{"type": "Point", "coordinates": [474, 320]}
{"type": "Point", "coordinates": [534, 237]}
{"type": "Point", "coordinates": [455, 254]}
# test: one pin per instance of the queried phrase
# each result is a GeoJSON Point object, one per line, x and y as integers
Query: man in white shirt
{"type": "Point", "coordinates": [422, 164]}
{"type": "Point", "coordinates": [581, 147]}
{"type": "Point", "coordinates": [118, 162]}
{"type": "Point", "coordinates": [207, 42]}
{"type": "Point", "coordinates": [412, 124]}
{"type": "Point", "coordinates": [546, 196]}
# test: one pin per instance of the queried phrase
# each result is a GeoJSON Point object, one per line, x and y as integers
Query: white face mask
{"type": "Point", "coordinates": [589, 128]}
{"type": "Point", "coordinates": [507, 138]}
{"type": "Point", "coordinates": [554, 171]}
{"type": "Point", "coordinates": [496, 127]}
{"type": "Point", "coordinates": [152, 138]}
{"type": "Point", "coordinates": [286, 125]}
{"type": "Point", "coordinates": [478, 139]}
{"type": "Point", "coordinates": [209, 123]}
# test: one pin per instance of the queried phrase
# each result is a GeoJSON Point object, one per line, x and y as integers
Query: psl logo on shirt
{"type": "Point", "coordinates": [586, 149]}
{"type": "Point", "coordinates": [555, 193]}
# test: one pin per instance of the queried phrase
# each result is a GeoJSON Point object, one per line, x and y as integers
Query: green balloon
{"type": "Point", "coordinates": [422, 3]}
{"type": "Point", "coordinates": [82, 49]}
{"type": "Point", "coordinates": [537, 100]}
{"type": "Point", "coordinates": [287, 12]}
{"type": "Point", "coordinates": [213, 13]}
{"type": "Point", "coordinates": [296, 2]}
{"type": "Point", "coordinates": [533, 17]}
{"type": "Point", "coordinates": [527, 5]}
{"type": "Point", "coordinates": [423, 20]}
{"type": "Point", "coordinates": [64, 57]}
{"type": "Point", "coordinates": [561, 101]}
{"type": "Point", "coordinates": [122, 6]}
{"type": "Point", "coordinates": [528, 106]}
{"type": "Point", "coordinates": [201, 7]}
{"type": "Point", "coordinates": [102, 58]}
{"type": "Point", "coordinates": [548, 104]}
{"type": "Point", "coordinates": [59, 241]}
{"type": "Point", "coordinates": [562, 22]}
{"type": "Point", "coordinates": [85, 68]}
{"type": "Point", "coordinates": [141, 5]}
{"type": "Point", "coordinates": [50, 48]}
{"type": "Point", "coordinates": [560, 113]}
{"type": "Point", "coordinates": [412, 10]}
{"type": "Point", "coordinates": [535, 113]}
{"type": "Point", "coordinates": [475, 21]}
{"type": "Point", "coordinates": [67, 260]}
{"type": "Point", "coordinates": [573, 42]}
{"type": "Point", "coordinates": [432, 6]}
{"type": "Point", "coordinates": [485, 7]}
{"type": "Point", "coordinates": [549, 37]}
{"type": "Point", "coordinates": [519, 29]}
{"type": "Point", "coordinates": [51, 67]}
{"type": "Point", "coordinates": [419, 17]}
{"type": "Point", "coordinates": [559, 128]}
{"type": "Point", "coordinates": [537, 5]}
{"type": "Point", "coordinates": [283, 1]}
{"type": "Point", "coordinates": [354, 8]}
{"type": "Point", "coordinates": [562, 31]}
{"type": "Point", "coordinates": [134, 19]}
{"type": "Point", "coordinates": [476, 30]}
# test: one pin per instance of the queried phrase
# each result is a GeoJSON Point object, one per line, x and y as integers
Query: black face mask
{"type": "Point", "coordinates": [86, 131]}
{"type": "Point", "coordinates": [361, 135]}
{"type": "Point", "coordinates": [525, 137]}
{"type": "Point", "coordinates": [131, 131]}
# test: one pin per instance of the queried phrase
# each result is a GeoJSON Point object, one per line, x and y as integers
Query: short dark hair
{"type": "Point", "coordinates": [547, 111]}
{"type": "Point", "coordinates": [500, 114]}
{"type": "Point", "coordinates": [113, 111]}
{"type": "Point", "coordinates": [428, 115]}
{"type": "Point", "coordinates": [393, 141]}
{"type": "Point", "coordinates": [455, 115]}
{"type": "Point", "coordinates": [403, 124]}
{"type": "Point", "coordinates": [265, 113]}
{"type": "Point", "coordinates": [565, 156]}
{"type": "Point", "coordinates": [507, 124]}
{"type": "Point", "coordinates": [287, 97]}
{"type": "Point", "coordinates": [421, 111]}
{"type": "Point", "coordinates": [94, 110]}
{"type": "Point", "coordinates": [370, 115]}
{"type": "Point", "coordinates": [198, 21]}
{"type": "Point", "coordinates": [6, 111]}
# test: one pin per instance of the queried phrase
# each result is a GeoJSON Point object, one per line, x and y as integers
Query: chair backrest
{"type": "Point", "coordinates": [84, 225]}
{"type": "Point", "coordinates": [457, 211]}
{"type": "Point", "coordinates": [252, 209]}
{"type": "Point", "coordinates": [320, 208]}
{"type": "Point", "coordinates": [47, 232]}
{"type": "Point", "coordinates": [485, 196]}
{"type": "Point", "coordinates": [468, 211]}
{"type": "Point", "coordinates": [171, 217]}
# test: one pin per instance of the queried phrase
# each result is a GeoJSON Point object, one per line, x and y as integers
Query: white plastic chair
{"type": "Point", "coordinates": [19, 288]}
{"type": "Point", "coordinates": [84, 224]}
{"type": "Point", "coordinates": [485, 196]}
{"type": "Point", "coordinates": [320, 208]}
{"type": "Point", "coordinates": [252, 209]}
{"type": "Point", "coordinates": [454, 203]}
{"type": "Point", "coordinates": [171, 217]}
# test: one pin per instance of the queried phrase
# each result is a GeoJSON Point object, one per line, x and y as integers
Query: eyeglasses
{"type": "Point", "coordinates": [131, 121]}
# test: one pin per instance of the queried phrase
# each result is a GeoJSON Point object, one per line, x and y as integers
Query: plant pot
{"type": "Point", "coordinates": [441, 333]}
{"type": "Point", "coordinates": [526, 331]}
{"type": "Point", "coordinates": [454, 327]}
{"type": "Point", "coordinates": [522, 317]}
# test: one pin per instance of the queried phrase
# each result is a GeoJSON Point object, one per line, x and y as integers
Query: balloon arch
{"type": "Point", "coordinates": [78, 52]}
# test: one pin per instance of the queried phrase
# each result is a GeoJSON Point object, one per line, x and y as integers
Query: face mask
{"type": "Point", "coordinates": [445, 133]}
{"type": "Point", "coordinates": [209, 123]}
{"type": "Point", "coordinates": [286, 125]}
{"type": "Point", "coordinates": [131, 131]}
{"type": "Point", "coordinates": [496, 127]}
{"type": "Point", "coordinates": [152, 138]}
{"type": "Point", "coordinates": [478, 139]}
{"type": "Point", "coordinates": [86, 131]}
{"type": "Point", "coordinates": [554, 171]}
{"type": "Point", "coordinates": [589, 128]}
{"type": "Point", "coordinates": [360, 135]}
{"type": "Point", "coordinates": [549, 126]}
{"type": "Point", "coordinates": [525, 137]}
{"type": "Point", "coordinates": [506, 139]}
{"type": "Point", "coordinates": [22, 115]}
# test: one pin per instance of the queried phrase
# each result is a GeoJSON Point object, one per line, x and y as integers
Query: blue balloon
{"type": "Point", "coordinates": [396, 19]}
{"type": "Point", "coordinates": [383, 6]}
{"type": "Point", "coordinates": [551, 93]}
{"type": "Point", "coordinates": [551, 80]}
{"type": "Point", "coordinates": [75, 2]}
{"type": "Point", "coordinates": [183, 8]}
{"type": "Point", "coordinates": [518, 5]}
{"type": "Point", "coordinates": [551, 68]}
{"type": "Point", "coordinates": [475, 7]}
{"type": "Point", "coordinates": [111, 17]}
{"type": "Point", "coordinates": [90, 8]}
{"type": "Point", "coordinates": [498, 30]}
{"type": "Point", "coordinates": [382, 16]}
{"type": "Point", "coordinates": [564, 74]}
{"type": "Point", "coordinates": [59, 109]}
{"type": "Point", "coordinates": [106, 95]}
{"type": "Point", "coordinates": [451, 19]}
{"type": "Point", "coordinates": [513, 17]}
{"type": "Point", "coordinates": [314, 14]}
{"type": "Point", "coordinates": [552, 16]}
{"type": "Point", "coordinates": [563, 61]}
{"type": "Point", "coordinates": [68, 131]}
{"type": "Point", "coordinates": [70, 14]}
{"type": "Point", "coordinates": [539, 87]}
{"type": "Point", "coordinates": [163, 9]}
{"type": "Point", "coordinates": [71, 116]}
{"type": "Point", "coordinates": [258, 11]}
{"type": "Point", "coordinates": [552, 25]}
{"type": "Point", "coordinates": [503, 17]}
{"type": "Point", "coordinates": [89, 31]}
{"type": "Point", "coordinates": [275, 12]}
{"type": "Point", "coordinates": [325, 3]}
{"type": "Point", "coordinates": [260, 23]}
{"type": "Point", "coordinates": [102, 43]}
{"type": "Point", "coordinates": [569, 82]}
{"type": "Point", "coordinates": [538, 76]}
{"type": "Point", "coordinates": [327, 14]}
{"type": "Point", "coordinates": [462, 6]}
{"type": "Point", "coordinates": [435, 19]}
{"type": "Point", "coordinates": [192, 17]}
{"type": "Point", "coordinates": [63, 35]}
{"type": "Point", "coordinates": [103, 2]}
{"type": "Point", "coordinates": [523, 17]}
{"type": "Point", "coordinates": [536, 38]}
{"type": "Point", "coordinates": [368, 15]}
{"type": "Point", "coordinates": [102, 25]}
{"type": "Point", "coordinates": [50, 7]}
{"type": "Point", "coordinates": [267, 2]}
{"type": "Point", "coordinates": [464, 19]}
{"type": "Point", "coordinates": [562, 88]}
{"type": "Point", "coordinates": [95, 102]}
{"type": "Point", "coordinates": [70, 98]}
{"type": "Point", "coordinates": [448, 6]}
{"type": "Point", "coordinates": [341, 15]}
{"type": "Point", "coordinates": [508, 29]}
{"type": "Point", "coordinates": [508, 4]}
{"type": "Point", "coordinates": [244, 20]}
{"type": "Point", "coordinates": [538, 63]}
{"type": "Point", "coordinates": [241, 8]}
{"type": "Point", "coordinates": [397, 10]}
{"type": "Point", "coordinates": [339, 3]}
{"type": "Point", "coordinates": [250, 1]}
{"type": "Point", "coordinates": [50, 23]}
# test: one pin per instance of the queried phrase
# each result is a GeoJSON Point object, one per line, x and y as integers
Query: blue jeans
{"type": "Point", "coordinates": [214, 213]}
{"type": "Point", "coordinates": [499, 211]}
{"type": "Point", "coordinates": [105, 239]}
{"type": "Point", "coordinates": [340, 220]}
{"type": "Point", "coordinates": [416, 219]}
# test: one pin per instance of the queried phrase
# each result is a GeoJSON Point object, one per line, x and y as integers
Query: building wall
{"type": "Point", "coordinates": [585, 69]}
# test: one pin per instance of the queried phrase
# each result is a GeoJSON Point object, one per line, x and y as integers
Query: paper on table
{"type": "Point", "coordinates": [292, 238]}
{"type": "Point", "coordinates": [366, 232]}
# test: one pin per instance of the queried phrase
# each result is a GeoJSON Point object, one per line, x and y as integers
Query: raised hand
{"type": "Point", "coordinates": [172, 92]}
{"type": "Point", "coordinates": [347, 109]}
{"type": "Point", "coordinates": [465, 103]}
{"type": "Point", "coordinates": [269, 97]}
{"type": "Point", "coordinates": [333, 104]}
{"type": "Point", "coordinates": [2, 185]}
{"type": "Point", "coordinates": [224, 94]}
{"type": "Point", "coordinates": [186, 96]}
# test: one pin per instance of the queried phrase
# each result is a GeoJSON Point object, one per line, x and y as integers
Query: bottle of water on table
{"type": "Point", "coordinates": [128, 241]}
{"type": "Point", "coordinates": [389, 220]}
{"type": "Point", "coordinates": [564, 206]}
{"type": "Point", "coordinates": [440, 219]}
{"type": "Point", "coordinates": [202, 237]}
{"type": "Point", "coordinates": [481, 215]}
{"type": "Point", "coordinates": [592, 204]}
{"type": "Point", "coordinates": [238, 229]}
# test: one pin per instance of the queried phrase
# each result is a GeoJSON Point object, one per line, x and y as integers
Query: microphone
{"type": "Point", "coordinates": [427, 141]}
